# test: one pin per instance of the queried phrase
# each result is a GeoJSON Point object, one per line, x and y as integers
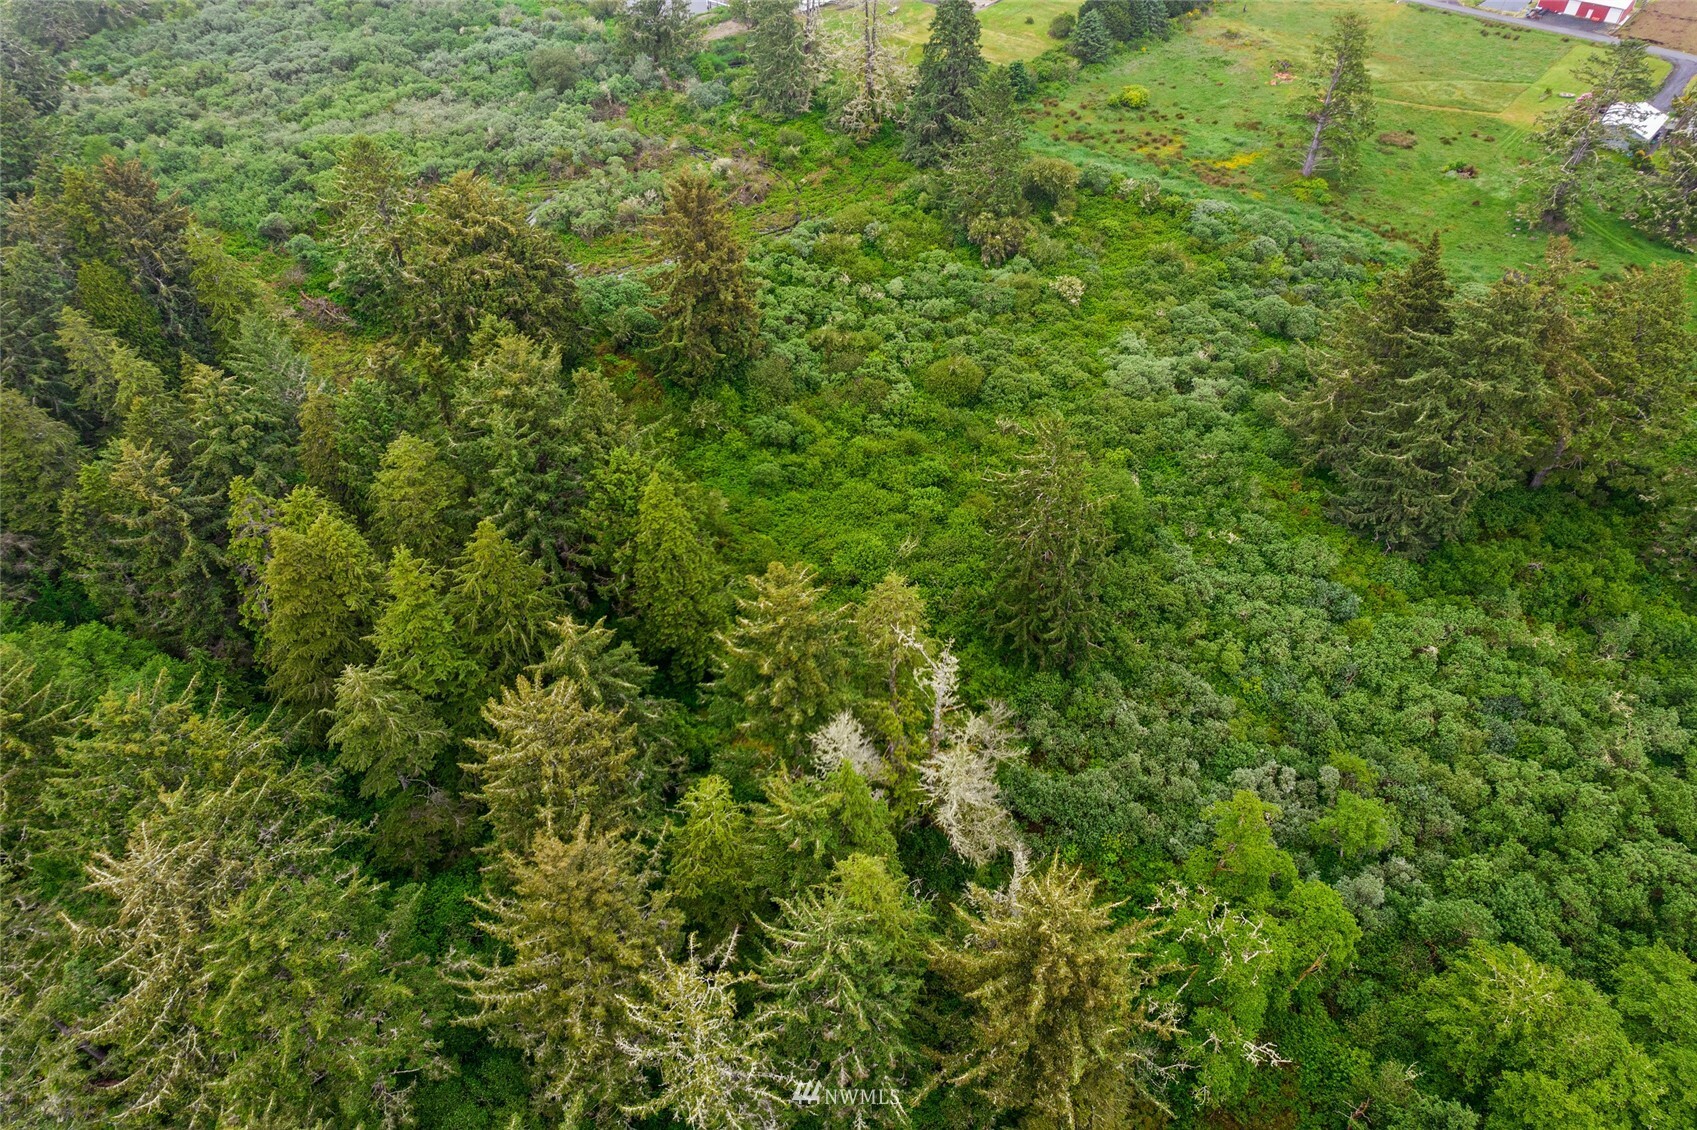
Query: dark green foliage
{"type": "Point", "coordinates": [950, 67]}
{"type": "Point", "coordinates": [1090, 41]}
{"type": "Point", "coordinates": [777, 52]}
{"type": "Point", "coordinates": [709, 321]}
{"type": "Point", "coordinates": [676, 578]}
{"type": "Point", "coordinates": [1053, 541]}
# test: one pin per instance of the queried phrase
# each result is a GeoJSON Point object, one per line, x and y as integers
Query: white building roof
{"type": "Point", "coordinates": [1639, 119]}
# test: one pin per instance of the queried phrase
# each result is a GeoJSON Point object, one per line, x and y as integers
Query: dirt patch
{"type": "Point", "coordinates": [1670, 23]}
{"type": "Point", "coordinates": [1400, 140]}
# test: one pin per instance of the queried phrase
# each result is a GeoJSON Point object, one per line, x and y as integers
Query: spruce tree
{"type": "Point", "coordinates": [983, 167]}
{"type": "Point", "coordinates": [777, 51]}
{"type": "Point", "coordinates": [1667, 199]}
{"type": "Point", "coordinates": [553, 761]}
{"type": "Point", "coordinates": [320, 583]}
{"type": "Point", "coordinates": [502, 606]}
{"type": "Point", "coordinates": [786, 655]}
{"type": "Point", "coordinates": [711, 859]}
{"type": "Point", "coordinates": [1338, 110]}
{"type": "Point", "coordinates": [840, 976]}
{"type": "Point", "coordinates": [676, 580]}
{"type": "Point", "coordinates": [416, 500]}
{"type": "Point", "coordinates": [580, 930]}
{"type": "Point", "coordinates": [710, 322]}
{"type": "Point", "coordinates": [1090, 41]}
{"type": "Point", "coordinates": [1054, 541]}
{"type": "Point", "coordinates": [805, 826]}
{"type": "Point", "coordinates": [1060, 1012]}
{"type": "Point", "coordinates": [949, 69]}
{"type": "Point", "coordinates": [383, 730]}
{"type": "Point", "coordinates": [142, 546]}
{"type": "Point", "coordinates": [417, 640]}
{"type": "Point", "coordinates": [663, 30]}
{"type": "Point", "coordinates": [237, 429]}
{"type": "Point", "coordinates": [38, 464]}
{"type": "Point", "coordinates": [1572, 137]}
{"type": "Point", "coordinates": [713, 1067]}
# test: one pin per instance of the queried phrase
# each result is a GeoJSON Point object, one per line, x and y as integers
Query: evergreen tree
{"type": "Point", "coordinates": [1667, 200]}
{"type": "Point", "coordinates": [873, 78]}
{"type": "Point", "coordinates": [383, 730]}
{"type": "Point", "coordinates": [580, 930]}
{"type": "Point", "coordinates": [368, 202]}
{"type": "Point", "coordinates": [949, 69]}
{"type": "Point", "coordinates": [1619, 387]}
{"type": "Point", "coordinates": [418, 643]}
{"type": "Point", "coordinates": [38, 463]}
{"type": "Point", "coordinates": [1149, 19]}
{"type": "Point", "coordinates": [238, 428]}
{"type": "Point", "coordinates": [1421, 402]}
{"type": "Point", "coordinates": [502, 606]}
{"type": "Point", "coordinates": [676, 580]}
{"type": "Point", "coordinates": [712, 860]}
{"type": "Point", "coordinates": [806, 826]}
{"type": "Point", "coordinates": [141, 547]}
{"type": "Point", "coordinates": [122, 388]}
{"type": "Point", "coordinates": [1054, 541]}
{"type": "Point", "coordinates": [777, 51]}
{"type": "Point", "coordinates": [983, 167]}
{"type": "Point", "coordinates": [473, 254]}
{"type": "Point", "coordinates": [1059, 1006]}
{"type": "Point", "coordinates": [553, 761]}
{"type": "Point", "coordinates": [1090, 41]}
{"type": "Point", "coordinates": [841, 974]}
{"type": "Point", "coordinates": [515, 434]}
{"type": "Point", "coordinates": [33, 290]}
{"type": "Point", "coordinates": [320, 583]}
{"type": "Point", "coordinates": [786, 654]}
{"type": "Point", "coordinates": [245, 971]}
{"type": "Point", "coordinates": [607, 671]}
{"type": "Point", "coordinates": [663, 30]}
{"type": "Point", "coordinates": [710, 320]}
{"type": "Point", "coordinates": [1338, 110]}
{"type": "Point", "coordinates": [1571, 138]}
{"type": "Point", "coordinates": [416, 500]}
{"type": "Point", "coordinates": [712, 1066]}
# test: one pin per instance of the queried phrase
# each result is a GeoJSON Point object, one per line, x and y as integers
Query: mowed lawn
{"type": "Point", "coordinates": [1457, 98]}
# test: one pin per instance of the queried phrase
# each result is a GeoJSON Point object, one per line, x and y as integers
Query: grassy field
{"type": "Point", "coordinates": [1006, 35]}
{"type": "Point", "coordinates": [1461, 94]}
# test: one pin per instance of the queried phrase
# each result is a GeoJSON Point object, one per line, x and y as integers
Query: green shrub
{"type": "Point", "coordinates": [1061, 26]}
{"type": "Point", "coordinates": [955, 381]}
{"type": "Point", "coordinates": [1131, 97]}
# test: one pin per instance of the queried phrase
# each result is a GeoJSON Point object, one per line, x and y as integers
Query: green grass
{"type": "Point", "coordinates": [1005, 36]}
{"type": "Point", "coordinates": [1214, 118]}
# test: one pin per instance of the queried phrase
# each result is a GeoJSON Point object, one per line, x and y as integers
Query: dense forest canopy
{"type": "Point", "coordinates": [582, 565]}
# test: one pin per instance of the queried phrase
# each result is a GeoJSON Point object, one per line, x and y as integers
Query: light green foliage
{"type": "Point", "coordinates": [383, 730]}
{"type": "Point", "coordinates": [1053, 540]}
{"type": "Point", "coordinates": [417, 641]}
{"type": "Point", "coordinates": [840, 974]}
{"type": "Point", "coordinates": [1356, 826]}
{"type": "Point", "coordinates": [950, 67]}
{"type": "Point", "coordinates": [321, 581]}
{"type": "Point", "coordinates": [785, 655]}
{"type": "Point", "coordinates": [1337, 113]}
{"type": "Point", "coordinates": [805, 826]}
{"type": "Point", "coordinates": [1571, 136]}
{"type": "Point", "coordinates": [709, 320]}
{"type": "Point", "coordinates": [1057, 995]}
{"type": "Point", "coordinates": [676, 579]}
{"type": "Point", "coordinates": [554, 760]}
{"type": "Point", "coordinates": [1539, 1048]}
{"type": "Point", "coordinates": [580, 931]}
{"type": "Point", "coordinates": [416, 500]}
{"type": "Point", "coordinates": [712, 1066]}
{"type": "Point", "coordinates": [712, 858]}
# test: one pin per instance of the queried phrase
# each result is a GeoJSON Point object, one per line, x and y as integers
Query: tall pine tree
{"type": "Point", "coordinates": [1337, 112]}
{"type": "Point", "coordinates": [950, 67]}
{"type": "Point", "coordinates": [777, 53]}
{"type": "Point", "coordinates": [676, 579]}
{"type": "Point", "coordinates": [710, 322]}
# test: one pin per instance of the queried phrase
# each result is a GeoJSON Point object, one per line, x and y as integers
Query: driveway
{"type": "Point", "coordinates": [1684, 63]}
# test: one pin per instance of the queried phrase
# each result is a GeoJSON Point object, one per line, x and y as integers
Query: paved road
{"type": "Point", "coordinates": [1684, 63]}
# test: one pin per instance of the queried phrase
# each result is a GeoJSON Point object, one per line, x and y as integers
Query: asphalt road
{"type": "Point", "coordinates": [1684, 63]}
